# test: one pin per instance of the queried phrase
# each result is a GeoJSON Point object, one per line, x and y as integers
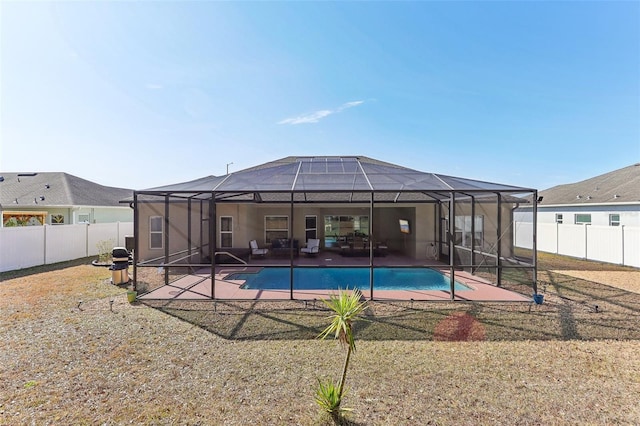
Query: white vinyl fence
{"type": "Point", "coordinates": [27, 246]}
{"type": "Point", "coordinates": [611, 244]}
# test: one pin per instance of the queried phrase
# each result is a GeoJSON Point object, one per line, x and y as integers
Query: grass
{"type": "Point", "coordinates": [563, 362]}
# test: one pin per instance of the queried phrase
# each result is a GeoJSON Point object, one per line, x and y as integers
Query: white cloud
{"type": "Point", "coordinates": [152, 86]}
{"type": "Point", "coordinates": [349, 105]}
{"type": "Point", "coordinates": [316, 116]}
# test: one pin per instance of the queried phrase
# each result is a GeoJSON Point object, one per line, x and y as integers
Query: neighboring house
{"type": "Point", "coordinates": [342, 201]}
{"type": "Point", "coordinates": [611, 199]}
{"type": "Point", "coordinates": [57, 198]}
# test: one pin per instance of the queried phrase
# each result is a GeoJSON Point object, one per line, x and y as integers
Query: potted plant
{"type": "Point", "coordinates": [132, 294]}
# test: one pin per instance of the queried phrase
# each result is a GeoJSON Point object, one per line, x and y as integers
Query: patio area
{"type": "Point", "coordinates": [198, 286]}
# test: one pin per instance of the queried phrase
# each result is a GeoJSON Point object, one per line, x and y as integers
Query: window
{"type": "Point", "coordinates": [83, 218]}
{"type": "Point", "coordinates": [310, 227]}
{"type": "Point", "coordinates": [614, 219]}
{"type": "Point", "coordinates": [276, 227]}
{"type": "Point", "coordinates": [463, 231]}
{"type": "Point", "coordinates": [558, 217]}
{"type": "Point", "coordinates": [226, 231]}
{"type": "Point", "coordinates": [341, 229]}
{"type": "Point", "coordinates": [583, 219]}
{"type": "Point", "coordinates": [57, 219]}
{"type": "Point", "coordinates": [156, 234]}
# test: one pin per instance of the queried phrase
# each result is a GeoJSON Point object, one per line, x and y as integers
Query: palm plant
{"type": "Point", "coordinates": [346, 308]}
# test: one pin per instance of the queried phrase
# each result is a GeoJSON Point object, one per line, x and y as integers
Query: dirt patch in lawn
{"type": "Point", "coordinates": [624, 280]}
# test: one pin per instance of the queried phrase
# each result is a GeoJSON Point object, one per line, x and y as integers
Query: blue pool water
{"type": "Point", "coordinates": [336, 278]}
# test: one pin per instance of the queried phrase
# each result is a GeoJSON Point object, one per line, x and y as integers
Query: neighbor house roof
{"type": "Point", "coordinates": [332, 179]}
{"type": "Point", "coordinates": [618, 186]}
{"type": "Point", "coordinates": [49, 189]}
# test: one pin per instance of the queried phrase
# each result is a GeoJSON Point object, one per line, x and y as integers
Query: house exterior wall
{"type": "Point", "coordinates": [103, 214]}
{"type": "Point", "coordinates": [71, 215]}
{"type": "Point", "coordinates": [629, 213]}
{"type": "Point", "coordinates": [249, 224]}
{"type": "Point", "coordinates": [178, 229]}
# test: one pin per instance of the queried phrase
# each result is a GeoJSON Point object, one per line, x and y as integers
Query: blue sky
{"type": "Point", "coordinates": [140, 94]}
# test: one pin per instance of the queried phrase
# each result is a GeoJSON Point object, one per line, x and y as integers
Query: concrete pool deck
{"type": "Point", "coordinates": [198, 286]}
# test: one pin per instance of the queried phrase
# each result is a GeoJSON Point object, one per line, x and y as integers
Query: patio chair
{"type": "Point", "coordinates": [312, 248]}
{"type": "Point", "coordinates": [256, 251]}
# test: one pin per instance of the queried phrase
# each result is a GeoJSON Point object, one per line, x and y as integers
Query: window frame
{"type": "Point", "coordinates": [224, 232]}
{"type": "Point", "coordinates": [559, 218]}
{"type": "Point", "coordinates": [577, 221]}
{"type": "Point", "coordinates": [336, 234]}
{"type": "Point", "coordinates": [310, 233]}
{"type": "Point", "coordinates": [613, 222]}
{"type": "Point", "coordinates": [276, 231]}
{"type": "Point", "coordinates": [153, 232]}
{"type": "Point", "coordinates": [463, 237]}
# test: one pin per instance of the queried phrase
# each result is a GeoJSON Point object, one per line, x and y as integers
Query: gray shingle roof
{"type": "Point", "coordinates": [618, 186]}
{"type": "Point", "coordinates": [58, 189]}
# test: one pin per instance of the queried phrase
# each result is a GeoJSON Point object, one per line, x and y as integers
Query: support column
{"type": "Point", "coordinates": [371, 247]}
{"type": "Point", "coordinates": [499, 241]}
{"type": "Point", "coordinates": [189, 229]}
{"type": "Point", "coordinates": [473, 233]}
{"type": "Point", "coordinates": [535, 242]}
{"type": "Point", "coordinates": [166, 239]}
{"type": "Point", "coordinates": [136, 233]}
{"type": "Point", "coordinates": [452, 251]}
{"type": "Point", "coordinates": [291, 251]}
{"type": "Point", "coordinates": [212, 242]}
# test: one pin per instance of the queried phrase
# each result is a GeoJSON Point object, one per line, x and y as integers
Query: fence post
{"type": "Point", "coordinates": [622, 242]}
{"type": "Point", "coordinates": [86, 239]}
{"type": "Point", "coordinates": [44, 239]}
{"type": "Point", "coordinates": [586, 242]}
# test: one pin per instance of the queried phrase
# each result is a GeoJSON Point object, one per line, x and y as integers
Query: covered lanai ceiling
{"type": "Point", "coordinates": [331, 179]}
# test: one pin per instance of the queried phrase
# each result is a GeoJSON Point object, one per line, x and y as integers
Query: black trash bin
{"type": "Point", "coordinates": [120, 266]}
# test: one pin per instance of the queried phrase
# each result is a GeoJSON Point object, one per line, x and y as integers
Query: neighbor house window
{"type": "Point", "coordinates": [156, 232]}
{"type": "Point", "coordinates": [583, 219]}
{"type": "Point", "coordinates": [226, 231]}
{"type": "Point", "coordinates": [276, 227]}
{"type": "Point", "coordinates": [558, 217]}
{"type": "Point", "coordinates": [614, 220]}
{"type": "Point", "coordinates": [57, 219]}
{"type": "Point", "coordinates": [83, 218]}
{"type": "Point", "coordinates": [463, 231]}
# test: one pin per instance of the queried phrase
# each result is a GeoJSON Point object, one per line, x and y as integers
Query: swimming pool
{"type": "Point", "coordinates": [336, 278]}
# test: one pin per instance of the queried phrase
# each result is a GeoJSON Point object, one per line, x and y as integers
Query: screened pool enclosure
{"type": "Point", "coordinates": [360, 212]}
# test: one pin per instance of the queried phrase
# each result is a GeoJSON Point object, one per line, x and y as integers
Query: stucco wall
{"type": "Point", "coordinates": [178, 227]}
